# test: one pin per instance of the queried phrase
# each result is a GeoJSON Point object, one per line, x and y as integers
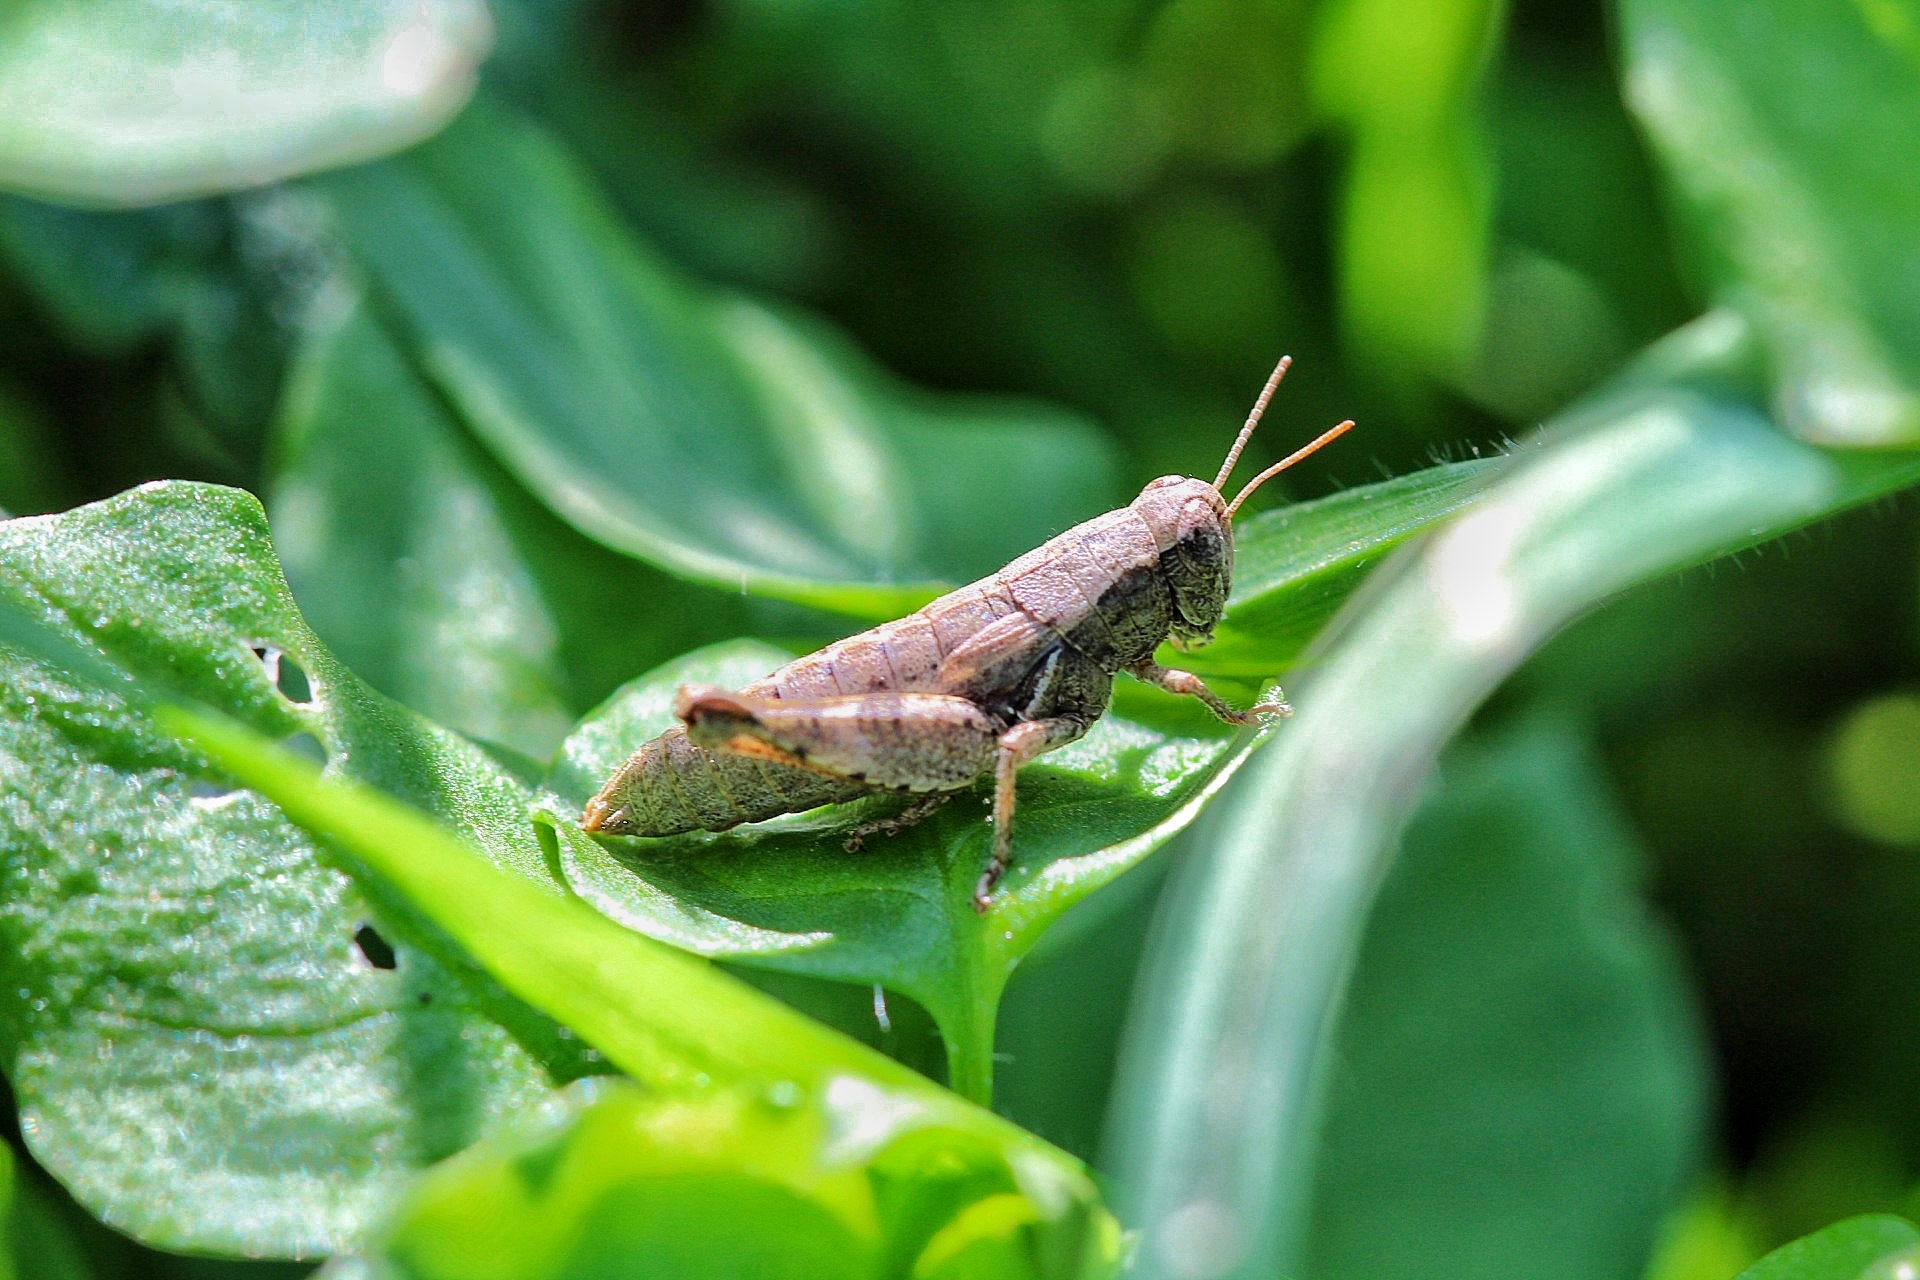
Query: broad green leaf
{"type": "Point", "coordinates": [705, 433]}
{"type": "Point", "coordinates": [1520, 1086]}
{"type": "Point", "coordinates": [203, 1049]}
{"type": "Point", "coordinates": [1872, 1247]}
{"type": "Point", "coordinates": [740, 1093]}
{"type": "Point", "coordinates": [1644, 481]}
{"type": "Point", "coordinates": [785, 894]}
{"type": "Point", "coordinates": [1293, 566]}
{"type": "Point", "coordinates": [1787, 134]}
{"type": "Point", "coordinates": [128, 102]}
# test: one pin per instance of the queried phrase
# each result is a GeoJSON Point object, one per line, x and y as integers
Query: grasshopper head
{"type": "Point", "coordinates": [1189, 520]}
{"type": "Point", "coordinates": [1193, 522]}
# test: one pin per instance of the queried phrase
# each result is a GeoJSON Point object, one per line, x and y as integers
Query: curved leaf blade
{"type": "Point", "coordinates": [714, 437]}
{"type": "Point", "coordinates": [1519, 1075]}
{"type": "Point", "coordinates": [1652, 479]}
{"type": "Point", "coordinates": [1870, 1247]}
{"type": "Point", "coordinates": [1294, 566]}
{"type": "Point", "coordinates": [714, 1058]}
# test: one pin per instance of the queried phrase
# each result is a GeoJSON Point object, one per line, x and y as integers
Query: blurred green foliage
{"type": "Point", "coordinates": [748, 323]}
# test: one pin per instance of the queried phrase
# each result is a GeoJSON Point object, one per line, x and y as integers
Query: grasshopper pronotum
{"type": "Point", "coordinates": [982, 680]}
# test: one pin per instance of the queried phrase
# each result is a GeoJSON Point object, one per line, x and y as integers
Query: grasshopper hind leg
{"type": "Point", "coordinates": [910, 816]}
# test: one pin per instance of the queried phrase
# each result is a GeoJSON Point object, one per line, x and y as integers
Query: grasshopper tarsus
{"type": "Point", "coordinates": [911, 815]}
{"type": "Point", "coordinates": [975, 684]}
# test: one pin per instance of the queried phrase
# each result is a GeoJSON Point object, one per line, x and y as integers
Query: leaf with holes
{"type": "Point", "coordinates": [758, 1141]}
{"type": "Point", "coordinates": [207, 1045]}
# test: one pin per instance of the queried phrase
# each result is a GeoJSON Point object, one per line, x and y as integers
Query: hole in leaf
{"type": "Point", "coordinates": [306, 746]}
{"type": "Point", "coordinates": [286, 674]}
{"type": "Point", "coordinates": [376, 949]}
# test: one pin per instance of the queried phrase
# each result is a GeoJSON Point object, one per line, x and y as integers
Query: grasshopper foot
{"type": "Point", "coordinates": [919, 809]}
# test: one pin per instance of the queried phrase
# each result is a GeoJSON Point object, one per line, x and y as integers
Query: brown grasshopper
{"type": "Point", "coordinates": [981, 680]}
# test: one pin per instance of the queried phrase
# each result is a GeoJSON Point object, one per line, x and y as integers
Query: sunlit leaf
{"type": "Point", "coordinates": [129, 102]}
{"type": "Point", "coordinates": [1872, 1247]}
{"type": "Point", "coordinates": [204, 1048]}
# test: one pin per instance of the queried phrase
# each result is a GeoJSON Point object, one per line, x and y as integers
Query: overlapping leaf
{"type": "Point", "coordinates": [1653, 478]}
{"type": "Point", "coordinates": [1519, 1077]}
{"type": "Point", "coordinates": [899, 913]}
{"type": "Point", "coordinates": [758, 1139]}
{"type": "Point", "coordinates": [436, 578]}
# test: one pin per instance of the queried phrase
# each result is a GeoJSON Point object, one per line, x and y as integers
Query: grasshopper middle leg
{"type": "Point", "coordinates": [912, 815]}
{"type": "Point", "coordinates": [1017, 746]}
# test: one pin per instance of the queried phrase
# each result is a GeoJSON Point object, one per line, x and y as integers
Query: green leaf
{"type": "Point", "coordinates": [1519, 1076]}
{"type": "Point", "coordinates": [705, 433]}
{"type": "Point", "coordinates": [1870, 1247]}
{"type": "Point", "coordinates": [202, 1048]}
{"type": "Point", "coordinates": [1292, 567]}
{"type": "Point", "coordinates": [1651, 478]}
{"type": "Point", "coordinates": [609, 1181]}
{"type": "Point", "coordinates": [740, 1092]}
{"type": "Point", "coordinates": [128, 102]}
{"type": "Point", "coordinates": [784, 894]}
{"type": "Point", "coordinates": [1803, 201]}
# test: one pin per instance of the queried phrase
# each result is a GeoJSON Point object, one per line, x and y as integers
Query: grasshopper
{"type": "Point", "coordinates": [980, 681]}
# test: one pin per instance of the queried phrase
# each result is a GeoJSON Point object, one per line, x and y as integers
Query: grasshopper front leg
{"type": "Point", "coordinates": [1190, 685]}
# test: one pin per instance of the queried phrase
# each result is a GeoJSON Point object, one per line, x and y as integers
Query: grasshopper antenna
{"type": "Point", "coordinates": [1326, 437]}
{"type": "Point", "coordinates": [1253, 420]}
